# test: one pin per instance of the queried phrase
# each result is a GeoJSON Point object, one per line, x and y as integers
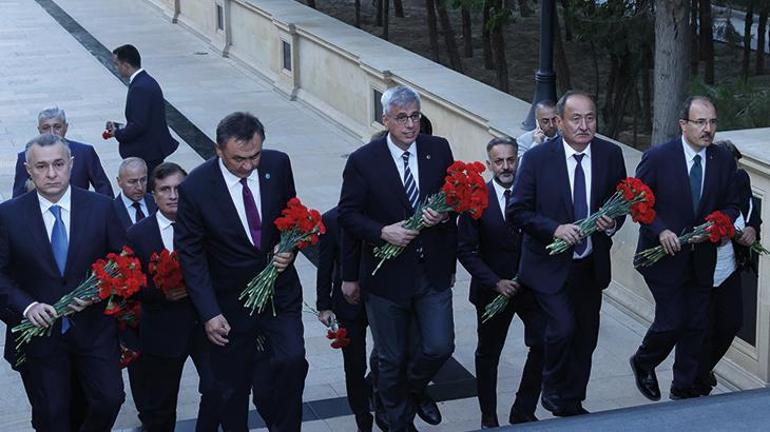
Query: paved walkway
{"type": "Point", "coordinates": [44, 65]}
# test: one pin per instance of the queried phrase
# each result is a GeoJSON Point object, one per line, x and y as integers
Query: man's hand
{"type": "Point", "coordinates": [538, 135]}
{"type": "Point", "coordinates": [605, 224]}
{"type": "Point", "coordinates": [749, 236]}
{"type": "Point", "coordinates": [351, 291]}
{"type": "Point", "coordinates": [78, 305]}
{"type": "Point", "coordinates": [175, 294]}
{"type": "Point", "coordinates": [507, 287]}
{"type": "Point", "coordinates": [282, 260]}
{"type": "Point", "coordinates": [110, 126]}
{"type": "Point", "coordinates": [699, 239]}
{"type": "Point", "coordinates": [326, 317]}
{"type": "Point", "coordinates": [397, 235]}
{"type": "Point", "coordinates": [41, 315]}
{"type": "Point", "coordinates": [570, 233]}
{"type": "Point", "coordinates": [670, 242]}
{"type": "Point", "coordinates": [431, 218]}
{"type": "Point", "coordinates": [217, 329]}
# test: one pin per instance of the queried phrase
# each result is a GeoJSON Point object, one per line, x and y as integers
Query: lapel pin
{"type": "Point", "coordinates": [267, 176]}
{"type": "Point", "coordinates": [427, 157]}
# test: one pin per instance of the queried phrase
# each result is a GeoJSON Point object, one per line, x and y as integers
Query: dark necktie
{"type": "Point", "coordinates": [60, 246]}
{"type": "Point", "coordinates": [507, 196]}
{"type": "Point", "coordinates": [139, 213]}
{"type": "Point", "coordinates": [252, 214]}
{"type": "Point", "coordinates": [696, 176]}
{"type": "Point", "coordinates": [412, 191]}
{"type": "Point", "coordinates": [579, 204]}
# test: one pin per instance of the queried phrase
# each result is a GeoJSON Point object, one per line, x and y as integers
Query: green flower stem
{"type": "Point", "coordinates": [650, 256]}
{"type": "Point", "coordinates": [496, 306]}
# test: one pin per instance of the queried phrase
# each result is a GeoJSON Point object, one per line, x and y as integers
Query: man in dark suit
{"type": "Point", "coordinates": [86, 167]}
{"type": "Point", "coordinates": [224, 235]}
{"type": "Point", "coordinates": [145, 134]}
{"type": "Point", "coordinates": [690, 179]}
{"type": "Point", "coordinates": [558, 183]}
{"type": "Point", "coordinates": [48, 241]}
{"type": "Point", "coordinates": [133, 203]}
{"type": "Point", "coordinates": [331, 304]}
{"type": "Point", "coordinates": [489, 249]}
{"type": "Point", "coordinates": [383, 183]}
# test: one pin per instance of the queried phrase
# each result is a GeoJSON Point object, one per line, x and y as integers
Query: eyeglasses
{"type": "Point", "coordinates": [403, 118]}
{"type": "Point", "coordinates": [702, 123]}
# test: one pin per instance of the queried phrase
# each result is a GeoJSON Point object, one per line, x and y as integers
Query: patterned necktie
{"type": "Point", "coordinates": [139, 212]}
{"type": "Point", "coordinates": [412, 192]}
{"type": "Point", "coordinates": [696, 176]}
{"type": "Point", "coordinates": [579, 204]}
{"type": "Point", "coordinates": [507, 196]}
{"type": "Point", "coordinates": [252, 214]}
{"type": "Point", "coordinates": [59, 246]}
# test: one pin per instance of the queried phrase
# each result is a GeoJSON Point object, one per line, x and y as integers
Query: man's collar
{"type": "Point", "coordinates": [499, 189]}
{"type": "Point", "coordinates": [163, 221]}
{"type": "Point", "coordinates": [128, 202]}
{"type": "Point", "coordinates": [689, 153]}
{"type": "Point", "coordinates": [133, 75]}
{"type": "Point", "coordinates": [569, 151]}
{"type": "Point", "coordinates": [396, 150]}
{"type": "Point", "coordinates": [231, 179]}
{"type": "Point", "coordinates": [65, 202]}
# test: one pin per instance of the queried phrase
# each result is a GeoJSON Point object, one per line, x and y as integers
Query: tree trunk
{"type": "Point", "coordinates": [357, 6]}
{"type": "Point", "coordinates": [595, 63]}
{"type": "Point", "coordinates": [761, 36]}
{"type": "Point", "coordinates": [694, 57]}
{"type": "Point", "coordinates": [498, 46]}
{"type": "Point", "coordinates": [486, 40]}
{"type": "Point", "coordinates": [524, 9]}
{"type": "Point", "coordinates": [378, 19]}
{"type": "Point", "coordinates": [430, 8]}
{"type": "Point", "coordinates": [647, 90]}
{"type": "Point", "coordinates": [449, 38]}
{"type": "Point", "coordinates": [749, 21]}
{"type": "Point", "coordinates": [398, 8]}
{"type": "Point", "coordinates": [563, 77]}
{"type": "Point", "coordinates": [311, 3]}
{"type": "Point", "coordinates": [707, 41]}
{"type": "Point", "coordinates": [567, 20]}
{"type": "Point", "coordinates": [467, 33]}
{"type": "Point", "coordinates": [671, 74]}
{"type": "Point", "coordinates": [385, 19]}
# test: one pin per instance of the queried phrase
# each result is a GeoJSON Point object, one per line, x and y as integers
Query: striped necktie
{"type": "Point", "coordinates": [412, 192]}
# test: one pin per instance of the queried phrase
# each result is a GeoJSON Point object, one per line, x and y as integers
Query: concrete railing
{"type": "Point", "coordinates": [339, 71]}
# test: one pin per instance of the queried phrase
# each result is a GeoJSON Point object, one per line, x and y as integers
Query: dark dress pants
{"type": "Point", "coordinates": [725, 318]}
{"type": "Point", "coordinates": [681, 311]}
{"type": "Point", "coordinates": [491, 339]}
{"type": "Point", "coordinates": [354, 358]}
{"type": "Point", "coordinates": [390, 321]}
{"type": "Point", "coordinates": [571, 334]}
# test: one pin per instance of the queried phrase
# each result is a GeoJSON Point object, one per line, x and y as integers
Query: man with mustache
{"type": "Point", "coordinates": [690, 179]}
{"type": "Point", "coordinates": [545, 129]}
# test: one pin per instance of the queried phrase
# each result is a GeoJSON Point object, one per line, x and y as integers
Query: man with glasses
{"type": "Point", "coordinates": [414, 287]}
{"type": "Point", "coordinates": [545, 130]}
{"type": "Point", "coordinates": [690, 178]}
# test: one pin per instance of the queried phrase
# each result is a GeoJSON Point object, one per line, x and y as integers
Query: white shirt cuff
{"type": "Point", "coordinates": [26, 309]}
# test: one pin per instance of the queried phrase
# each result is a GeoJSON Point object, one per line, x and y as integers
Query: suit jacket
{"type": "Point", "coordinates": [664, 169]}
{"type": "Point", "coordinates": [330, 263]}
{"type": "Point", "coordinates": [217, 256]}
{"type": "Point", "coordinates": [122, 212]}
{"type": "Point", "coordinates": [28, 270]}
{"type": "Point", "coordinates": [167, 327]}
{"type": "Point", "coordinates": [542, 200]}
{"type": "Point", "coordinates": [145, 134]}
{"type": "Point", "coordinates": [86, 170]}
{"type": "Point", "coordinates": [373, 196]}
{"type": "Point", "coordinates": [489, 249]}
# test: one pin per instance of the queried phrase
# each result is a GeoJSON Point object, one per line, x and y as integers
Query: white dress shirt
{"type": "Point", "coordinates": [166, 227]}
{"type": "Point", "coordinates": [500, 193]}
{"type": "Point", "coordinates": [526, 141]}
{"type": "Point", "coordinates": [569, 154]}
{"type": "Point", "coordinates": [133, 75]}
{"type": "Point", "coordinates": [726, 264]}
{"type": "Point", "coordinates": [397, 153]}
{"type": "Point", "coordinates": [235, 188]}
{"type": "Point", "coordinates": [689, 155]}
{"type": "Point", "coordinates": [65, 202]}
{"type": "Point", "coordinates": [131, 209]}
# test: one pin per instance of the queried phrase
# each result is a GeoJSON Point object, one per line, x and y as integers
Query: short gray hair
{"type": "Point", "coordinates": [131, 162]}
{"type": "Point", "coordinates": [52, 113]}
{"type": "Point", "coordinates": [399, 96]}
{"type": "Point", "coordinates": [46, 140]}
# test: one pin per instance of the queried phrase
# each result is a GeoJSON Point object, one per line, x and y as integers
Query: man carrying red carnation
{"type": "Point", "coordinates": [690, 179]}
{"type": "Point", "coordinates": [49, 238]}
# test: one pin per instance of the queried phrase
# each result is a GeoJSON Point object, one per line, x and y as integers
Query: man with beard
{"type": "Point", "coordinates": [489, 249]}
{"type": "Point", "coordinates": [690, 179]}
{"type": "Point", "coordinates": [545, 129]}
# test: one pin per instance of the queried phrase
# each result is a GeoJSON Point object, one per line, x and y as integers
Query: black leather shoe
{"type": "Point", "coordinates": [489, 422]}
{"type": "Point", "coordinates": [646, 380]}
{"type": "Point", "coordinates": [517, 417]}
{"type": "Point", "coordinates": [364, 422]}
{"type": "Point", "coordinates": [558, 410]}
{"type": "Point", "coordinates": [581, 410]}
{"type": "Point", "coordinates": [680, 393]}
{"type": "Point", "coordinates": [427, 409]}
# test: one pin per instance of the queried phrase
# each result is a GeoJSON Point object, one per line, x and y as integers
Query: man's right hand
{"type": "Point", "coordinates": [538, 135]}
{"type": "Point", "coordinates": [217, 329]}
{"type": "Point", "coordinates": [570, 233]}
{"type": "Point", "coordinates": [670, 242]}
{"type": "Point", "coordinates": [351, 291]}
{"type": "Point", "coordinates": [41, 315]}
{"type": "Point", "coordinates": [507, 287]}
{"type": "Point", "coordinates": [397, 235]}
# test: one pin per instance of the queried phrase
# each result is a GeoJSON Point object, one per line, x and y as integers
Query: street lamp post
{"type": "Point", "coordinates": [545, 78]}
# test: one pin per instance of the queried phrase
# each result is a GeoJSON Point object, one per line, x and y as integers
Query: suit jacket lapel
{"type": "Point", "coordinates": [425, 166]}
{"type": "Point", "coordinates": [494, 203]}
{"type": "Point", "coordinates": [709, 182]}
{"type": "Point", "coordinates": [390, 174]}
{"type": "Point", "coordinates": [562, 177]}
{"type": "Point", "coordinates": [79, 218]}
{"type": "Point", "coordinates": [223, 200]}
{"type": "Point", "coordinates": [38, 233]}
{"type": "Point", "coordinates": [266, 203]}
{"type": "Point", "coordinates": [595, 178]}
{"type": "Point", "coordinates": [683, 181]}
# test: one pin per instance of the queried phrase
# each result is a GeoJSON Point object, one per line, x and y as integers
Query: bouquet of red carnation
{"type": "Point", "coordinates": [165, 271]}
{"type": "Point", "coordinates": [464, 191]}
{"type": "Point", "coordinates": [129, 315]}
{"type": "Point", "coordinates": [497, 305]}
{"type": "Point", "coordinates": [631, 196]}
{"type": "Point", "coordinates": [755, 247]}
{"type": "Point", "coordinates": [127, 356]}
{"type": "Point", "coordinates": [115, 279]}
{"type": "Point", "coordinates": [299, 227]}
{"type": "Point", "coordinates": [717, 227]}
{"type": "Point", "coordinates": [335, 333]}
